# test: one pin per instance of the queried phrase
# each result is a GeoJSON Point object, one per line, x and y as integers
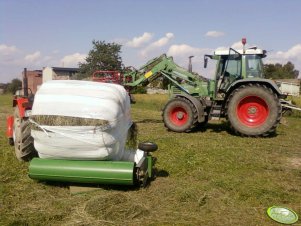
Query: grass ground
{"type": "Point", "coordinates": [207, 177]}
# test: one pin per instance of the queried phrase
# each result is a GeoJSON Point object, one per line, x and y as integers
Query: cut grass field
{"type": "Point", "coordinates": [207, 177]}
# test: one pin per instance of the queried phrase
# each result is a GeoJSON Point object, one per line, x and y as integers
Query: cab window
{"type": "Point", "coordinates": [254, 66]}
{"type": "Point", "coordinates": [234, 67]}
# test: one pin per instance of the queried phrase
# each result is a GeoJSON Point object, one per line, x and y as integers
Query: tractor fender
{"type": "Point", "coordinates": [269, 83]}
{"type": "Point", "coordinates": [23, 104]}
{"type": "Point", "coordinates": [197, 104]}
{"type": "Point", "coordinates": [9, 126]}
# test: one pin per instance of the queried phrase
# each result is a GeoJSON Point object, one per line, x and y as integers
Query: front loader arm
{"type": "Point", "coordinates": [147, 72]}
{"type": "Point", "coordinates": [162, 66]}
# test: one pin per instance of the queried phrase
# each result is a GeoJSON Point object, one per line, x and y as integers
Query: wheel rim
{"type": "Point", "coordinates": [252, 111]}
{"type": "Point", "coordinates": [178, 116]}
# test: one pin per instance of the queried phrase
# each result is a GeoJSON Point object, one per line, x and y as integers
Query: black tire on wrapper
{"type": "Point", "coordinates": [253, 110]}
{"type": "Point", "coordinates": [148, 146]}
{"type": "Point", "coordinates": [180, 115]}
{"type": "Point", "coordinates": [24, 148]}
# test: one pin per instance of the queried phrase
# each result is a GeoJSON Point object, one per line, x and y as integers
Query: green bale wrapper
{"type": "Point", "coordinates": [97, 172]}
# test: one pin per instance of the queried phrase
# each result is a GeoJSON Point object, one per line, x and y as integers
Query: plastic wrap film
{"type": "Point", "coordinates": [88, 100]}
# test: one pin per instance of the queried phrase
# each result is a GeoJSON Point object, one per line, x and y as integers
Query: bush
{"type": "Point", "coordinates": [13, 86]}
{"type": "Point", "coordinates": [139, 90]}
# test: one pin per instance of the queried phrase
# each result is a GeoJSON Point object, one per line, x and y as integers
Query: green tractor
{"type": "Point", "coordinates": [239, 92]}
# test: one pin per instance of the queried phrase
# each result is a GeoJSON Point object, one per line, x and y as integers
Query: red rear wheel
{"type": "Point", "coordinates": [252, 111]}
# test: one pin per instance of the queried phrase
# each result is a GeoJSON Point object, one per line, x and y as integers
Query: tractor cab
{"type": "Point", "coordinates": [233, 65]}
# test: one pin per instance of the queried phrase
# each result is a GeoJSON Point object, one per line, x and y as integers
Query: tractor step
{"type": "Point", "coordinates": [215, 112]}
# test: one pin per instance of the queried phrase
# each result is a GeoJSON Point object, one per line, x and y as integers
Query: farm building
{"type": "Point", "coordinates": [37, 77]}
{"type": "Point", "coordinates": [289, 86]}
{"type": "Point", "coordinates": [58, 73]}
{"type": "Point", "coordinates": [34, 80]}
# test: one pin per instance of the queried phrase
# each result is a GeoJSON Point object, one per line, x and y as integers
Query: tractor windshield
{"type": "Point", "coordinates": [254, 66]}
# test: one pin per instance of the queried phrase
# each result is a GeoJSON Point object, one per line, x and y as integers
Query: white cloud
{"type": "Point", "coordinates": [184, 50]}
{"type": "Point", "coordinates": [181, 53]}
{"type": "Point", "coordinates": [33, 57]}
{"type": "Point", "coordinates": [47, 59]}
{"type": "Point", "coordinates": [73, 60]}
{"type": "Point", "coordinates": [137, 42]}
{"type": "Point", "coordinates": [157, 44]}
{"type": "Point", "coordinates": [236, 45]}
{"type": "Point", "coordinates": [13, 60]}
{"type": "Point", "coordinates": [7, 50]}
{"type": "Point", "coordinates": [214, 34]}
{"type": "Point", "coordinates": [293, 55]}
{"type": "Point", "coordinates": [162, 41]}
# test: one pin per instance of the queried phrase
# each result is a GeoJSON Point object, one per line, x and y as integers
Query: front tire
{"type": "Point", "coordinates": [253, 110]}
{"type": "Point", "coordinates": [179, 115]}
{"type": "Point", "coordinates": [23, 141]}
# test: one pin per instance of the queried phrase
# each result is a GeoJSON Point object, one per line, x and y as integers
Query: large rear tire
{"type": "Point", "coordinates": [23, 141]}
{"type": "Point", "coordinates": [253, 110]}
{"type": "Point", "coordinates": [179, 115]}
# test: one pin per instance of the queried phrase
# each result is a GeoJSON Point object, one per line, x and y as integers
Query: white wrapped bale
{"type": "Point", "coordinates": [108, 103]}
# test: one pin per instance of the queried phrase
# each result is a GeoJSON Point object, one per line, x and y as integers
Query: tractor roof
{"type": "Point", "coordinates": [250, 51]}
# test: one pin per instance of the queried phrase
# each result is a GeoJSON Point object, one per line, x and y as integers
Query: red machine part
{"type": "Point", "coordinates": [22, 104]}
{"type": "Point", "coordinates": [107, 77]}
{"type": "Point", "coordinates": [112, 77]}
{"type": "Point", "coordinates": [9, 126]}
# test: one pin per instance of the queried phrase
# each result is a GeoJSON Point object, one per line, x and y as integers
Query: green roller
{"type": "Point", "coordinates": [96, 172]}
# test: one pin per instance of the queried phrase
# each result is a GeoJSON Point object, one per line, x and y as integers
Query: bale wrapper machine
{"type": "Point", "coordinates": [96, 172]}
{"type": "Point", "coordinates": [80, 131]}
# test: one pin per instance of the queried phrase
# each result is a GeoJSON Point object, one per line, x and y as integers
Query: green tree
{"type": "Point", "coordinates": [13, 86]}
{"type": "Point", "coordinates": [102, 56]}
{"type": "Point", "coordinates": [279, 71]}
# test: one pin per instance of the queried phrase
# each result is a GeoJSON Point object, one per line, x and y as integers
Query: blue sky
{"type": "Point", "coordinates": [35, 34]}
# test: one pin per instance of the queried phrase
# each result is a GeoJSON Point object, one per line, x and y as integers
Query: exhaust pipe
{"type": "Point", "coordinates": [25, 83]}
{"type": "Point", "coordinates": [190, 64]}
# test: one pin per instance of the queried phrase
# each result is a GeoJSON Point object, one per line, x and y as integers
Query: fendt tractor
{"type": "Point", "coordinates": [239, 92]}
